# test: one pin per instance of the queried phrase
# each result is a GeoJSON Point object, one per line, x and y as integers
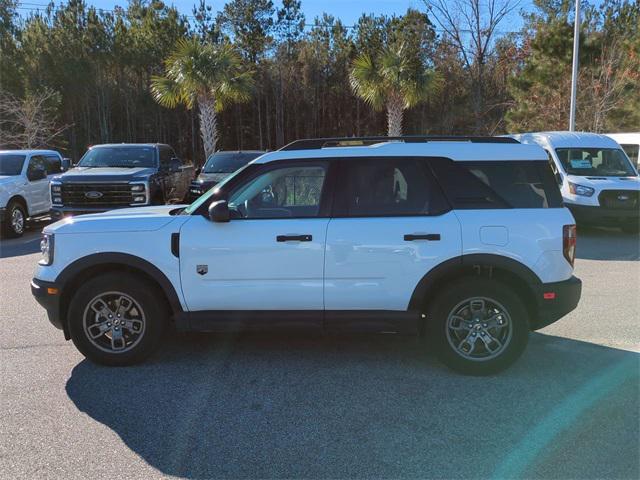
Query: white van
{"type": "Point", "coordinates": [630, 143]}
{"type": "Point", "coordinates": [598, 182]}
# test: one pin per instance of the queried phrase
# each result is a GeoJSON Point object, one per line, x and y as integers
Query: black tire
{"type": "Point", "coordinates": [10, 230]}
{"type": "Point", "coordinates": [153, 310]}
{"type": "Point", "coordinates": [452, 300]}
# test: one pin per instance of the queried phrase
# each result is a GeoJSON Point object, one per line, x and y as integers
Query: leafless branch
{"type": "Point", "coordinates": [30, 122]}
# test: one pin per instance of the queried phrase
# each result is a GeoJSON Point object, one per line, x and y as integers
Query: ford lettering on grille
{"type": "Point", "coordinates": [93, 194]}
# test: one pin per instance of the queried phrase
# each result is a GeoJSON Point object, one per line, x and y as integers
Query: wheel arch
{"type": "Point", "coordinates": [498, 267]}
{"type": "Point", "coordinates": [21, 200]}
{"type": "Point", "coordinates": [99, 263]}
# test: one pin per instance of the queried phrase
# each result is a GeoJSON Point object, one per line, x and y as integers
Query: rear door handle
{"type": "Point", "coordinates": [294, 238]}
{"type": "Point", "coordinates": [432, 237]}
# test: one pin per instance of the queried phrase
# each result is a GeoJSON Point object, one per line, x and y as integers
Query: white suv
{"type": "Point", "coordinates": [462, 240]}
{"type": "Point", "coordinates": [24, 186]}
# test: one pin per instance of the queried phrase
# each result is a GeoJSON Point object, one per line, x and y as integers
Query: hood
{"type": "Point", "coordinates": [606, 183]}
{"type": "Point", "coordinates": [137, 219]}
{"type": "Point", "coordinates": [105, 174]}
{"type": "Point", "coordinates": [212, 177]}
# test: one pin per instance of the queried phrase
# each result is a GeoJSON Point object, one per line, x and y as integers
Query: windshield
{"type": "Point", "coordinates": [11, 164]}
{"type": "Point", "coordinates": [127, 157]}
{"type": "Point", "coordinates": [596, 162]}
{"type": "Point", "coordinates": [227, 162]}
{"type": "Point", "coordinates": [207, 195]}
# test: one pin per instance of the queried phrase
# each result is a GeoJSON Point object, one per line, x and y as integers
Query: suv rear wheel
{"type": "Point", "coordinates": [478, 326]}
{"type": "Point", "coordinates": [116, 319]}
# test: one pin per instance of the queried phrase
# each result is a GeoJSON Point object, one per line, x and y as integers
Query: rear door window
{"type": "Point", "coordinates": [498, 184]}
{"type": "Point", "coordinates": [385, 186]}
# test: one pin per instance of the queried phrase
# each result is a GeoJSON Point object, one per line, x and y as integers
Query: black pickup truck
{"type": "Point", "coordinates": [121, 175]}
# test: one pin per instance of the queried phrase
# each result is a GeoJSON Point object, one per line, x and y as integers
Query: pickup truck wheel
{"type": "Point", "coordinates": [15, 220]}
{"type": "Point", "coordinates": [116, 319]}
{"type": "Point", "coordinates": [478, 326]}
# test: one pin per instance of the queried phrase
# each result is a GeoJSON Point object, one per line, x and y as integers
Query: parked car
{"type": "Point", "coordinates": [24, 186]}
{"type": "Point", "coordinates": [218, 167]}
{"type": "Point", "coordinates": [630, 143]}
{"type": "Point", "coordinates": [464, 241]}
{"type": "Point", "coordinates": [115, 176]}
{"type": "Point", "coordinates": [598, 182]}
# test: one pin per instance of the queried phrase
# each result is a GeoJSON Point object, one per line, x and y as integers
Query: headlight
{"type": "Point", "coordinates": [139, 193]}
{"type": "Point", "coordinates": [46, 248]}
{"type": "Point", "coordinates": [56, 187]}
{"type": "Point", "coordinates": [581, 190]}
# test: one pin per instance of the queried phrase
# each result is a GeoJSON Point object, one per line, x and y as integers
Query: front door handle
{"type": "Point", "coordinates": [432, 237]}
{"type": "Point", "coordinates": [294, 238]}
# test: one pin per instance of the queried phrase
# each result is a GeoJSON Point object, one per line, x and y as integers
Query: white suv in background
{"type": "Point", "coordinates": [24, 186]}
{"type": "Point", "coordinates": [599, 184]}
{"type": "Point", "coordinates": [462, 240]}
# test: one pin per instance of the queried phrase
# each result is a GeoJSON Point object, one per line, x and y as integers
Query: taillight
{"type": "Point", "coordinates": [569, 243]}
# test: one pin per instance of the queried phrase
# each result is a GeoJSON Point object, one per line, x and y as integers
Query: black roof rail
{"type": "Point", "coordinates": [318, 143]}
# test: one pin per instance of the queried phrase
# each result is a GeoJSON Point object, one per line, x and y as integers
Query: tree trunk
{"type": "Point", "coordinates": [208, 125]}
{"type": "Point", "coordinates": [395, 109]}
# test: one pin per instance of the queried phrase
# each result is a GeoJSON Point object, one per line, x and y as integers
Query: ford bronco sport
{"type": "Point", "coordinates": [464, 241]}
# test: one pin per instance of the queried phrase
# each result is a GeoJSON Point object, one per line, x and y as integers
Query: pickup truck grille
{"type": "Point", "coordinates": [620, 199]}
{"type": "Point", "coordinates": [96, 194]}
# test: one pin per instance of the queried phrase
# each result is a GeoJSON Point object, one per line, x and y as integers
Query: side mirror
{"type": "Point", "coordinates": [219, 211]}
{"type": "Point", "coordinates": [66, 164]}
{"type": "Point", "coordinates": [37, 174]}
{"type": "Point", "coordinates": [174, 165]}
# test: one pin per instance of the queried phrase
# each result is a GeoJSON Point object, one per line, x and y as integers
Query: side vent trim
{"type": "Point", "coordinates": [175, 244]}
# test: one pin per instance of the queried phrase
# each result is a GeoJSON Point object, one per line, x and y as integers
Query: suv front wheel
{"type": "Point", "coordinates": [478, 326]}
{"type": "Point", "coordinates": [116, 319]}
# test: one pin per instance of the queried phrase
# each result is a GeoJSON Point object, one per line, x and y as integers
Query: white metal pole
{"type": "Point", "coordinates": [574, 72]}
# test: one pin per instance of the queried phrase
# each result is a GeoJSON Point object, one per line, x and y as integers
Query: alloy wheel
{"type": "Point", "coordinates": [114, 322]}
{"type": "Point", "coordinates": [479, 329]}
{"type": "Point", "coordinates": [17, 221]}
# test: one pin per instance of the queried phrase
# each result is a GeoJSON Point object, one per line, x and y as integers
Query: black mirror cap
{"type": "Point", "coordinates": [219, 211]}
{"type": "Point", "coordinates": [65, 164]}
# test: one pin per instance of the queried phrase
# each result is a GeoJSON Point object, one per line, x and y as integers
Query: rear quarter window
{"type": "Point", "coordinates": [498, 184]}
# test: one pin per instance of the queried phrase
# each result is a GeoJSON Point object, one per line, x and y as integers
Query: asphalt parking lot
{"type": "Point", "coordinates": [283, 406]}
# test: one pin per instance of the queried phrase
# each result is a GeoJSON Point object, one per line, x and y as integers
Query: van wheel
{"type": "Point", "coordinates": [478, 326]}
{"type": "Point", "coordinates": [15, 220]}
{"type": "Point", "coordinates": [116, 319]}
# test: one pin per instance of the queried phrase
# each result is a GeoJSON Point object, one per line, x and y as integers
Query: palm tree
{"type": "Point", "coordinates": [206, 75]}
{"type": "Point", "coordinates": [395, 81]}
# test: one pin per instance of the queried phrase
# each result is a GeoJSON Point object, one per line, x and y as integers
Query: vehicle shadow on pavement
{"type": "Point", "coordinates": [275, 406]}
{"type": "Point", "coordinates": [607, 244]}
{"type": "Point", "coordinates": [25, 245]}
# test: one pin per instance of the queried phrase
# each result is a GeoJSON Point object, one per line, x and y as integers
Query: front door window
{"type": "Point", "coordinates": [289, 192]}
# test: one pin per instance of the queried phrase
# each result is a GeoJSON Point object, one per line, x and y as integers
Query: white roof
{"type": "Point", "coordinates": [567, 139]}
{"type": "Point", "coordinates": [455, 150]}
{"type": "Point", "coordinates": [29, 152]}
